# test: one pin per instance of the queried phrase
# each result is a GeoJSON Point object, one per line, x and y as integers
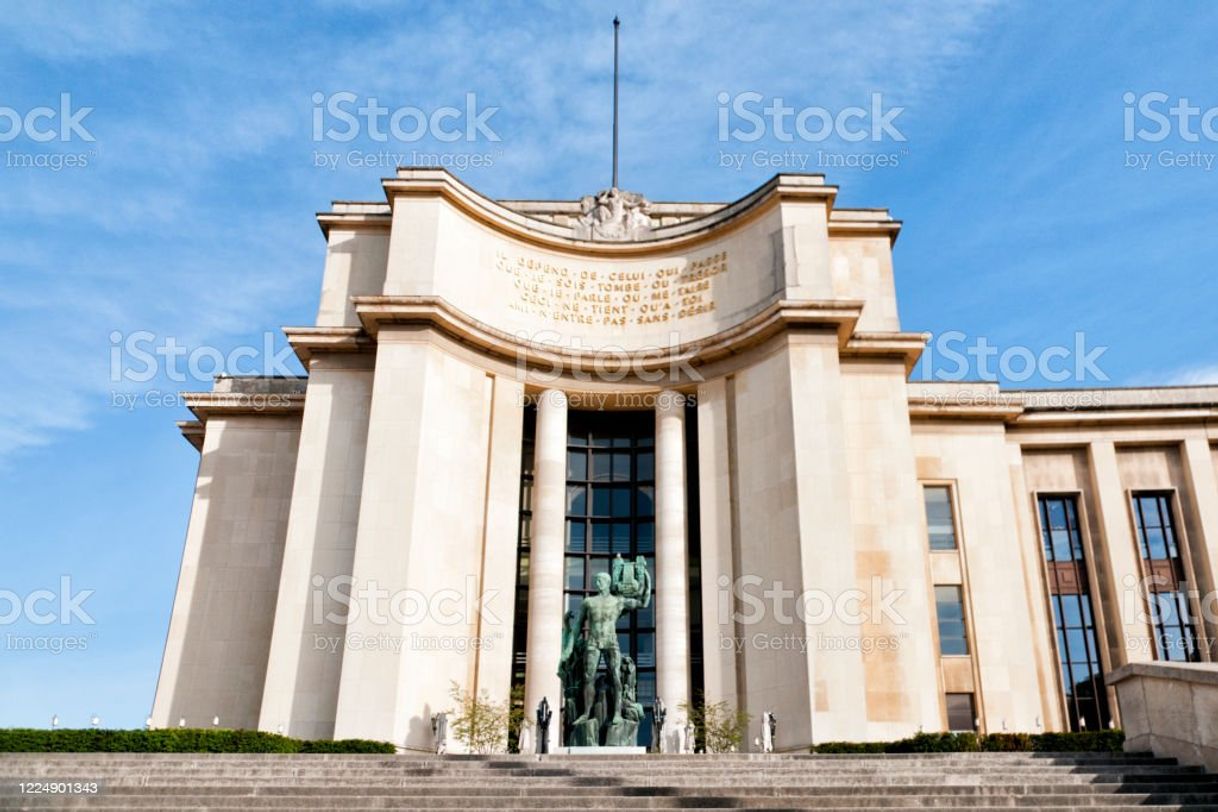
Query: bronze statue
{"type": "Point", "coordinates": [610, 716]}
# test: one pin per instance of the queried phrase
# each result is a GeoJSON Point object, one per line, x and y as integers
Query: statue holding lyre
{"type": "Point", "coordinates": [594, 631]}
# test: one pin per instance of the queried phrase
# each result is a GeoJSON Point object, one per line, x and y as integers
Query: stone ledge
{"type": "Point", "coordinates": [1204, 673]}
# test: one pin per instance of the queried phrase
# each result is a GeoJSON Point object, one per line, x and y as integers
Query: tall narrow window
{"type": "Point", "coordinates": [961, 713]}
{"type": "Point", "coordinates": [520, 630]}
{"type": "Point", "coordinates": [940, 521]}
{"type": "Point", "coordinates": [1073, 620]}
{"type": "Point", "coordinates": [949, 603]}
{"type": "Point", "coordinates": [1175, 638]}
{"type": "Point", "coordinates": [611, 511]}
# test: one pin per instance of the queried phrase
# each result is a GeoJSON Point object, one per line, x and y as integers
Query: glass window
{"type": "Point", "coordinates": [1169, 614]}
{"type": "Point", "coordinates": [949, 603]}
{"type": "Point", "coordinates": [645, 537]}
{"type": "Point", "coordinates": [577, 500]}
{"type": "Point", "coordinates": [621, 467]}
{"type": "Point", "coordinates": [646, 462]}
{"type": "Point", "coordinates": [602, 466]}
{"type": "Point", "coordinates": [575, 572]}
{"type": "Point", "coordinates": [577, 465]}
{"type": "Point", "coordinates": [961, 713]}
{"type": "Point", "coordinates": [939, 520]}
{"type": "Point", "coordinates": [610, 510]}
{"type": "Point", "coordinates": [1173, 627]}
{"type": "Point", "coordinates": [620, 538]}
{"type": "Point", "coordinates": [576, 536]}
{"type": "Point", "coordinates": [1073, 623]}
{"type": "Point", "coordinates": [1155, 526]}
{"type": "Point", "coordinates": [621, 502]}
{"type": "Point", "coordinates": [601, 533]}
{"type": "Point", "coordinates": [647, 495]}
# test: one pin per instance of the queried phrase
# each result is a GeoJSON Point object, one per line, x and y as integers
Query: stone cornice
{"type": "Point", "coordinates": [869, 228]}
{"type": "Point", "coordinates": [430, 182]}
{"type": "Point", "coordinates": [841, 316]}
{"type": "Point", "coordinates": [193, 431]}
{"type": "Point", "coordinates": [1032, 410]}
{"type": "Point", "coordinates": [307, 341]}
{"type": "Point", "coordinates": [1116, 417]}
{"type": "Point", "coordinates": [205, 405]}
{"type": "Point", "coordinates": [361, 221]}
{"type": "Point", "coordinates": [905, 346]}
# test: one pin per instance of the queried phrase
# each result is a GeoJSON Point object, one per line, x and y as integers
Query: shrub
{"type": "Point", "coordinates": [1104, 741]}
{"type": "Point", "coordinates": [850, 747]}
{"type": "Point", "coordinates": [1007, 742]}
{"type": "Point", "coordinates": [346, 746]}
{"type": "Point", "coordinates": [718, 727]}
{"type": "Point", "coordinates": [173, 740]}
{"type": "Point", "coordinates": [517, 718]}
{"type": "Point", "coordinates": [937, 743]}
{"type": "Point", "coordinates": [1099, 741]}
{"type": "Point", "coordinates": [480, 723]}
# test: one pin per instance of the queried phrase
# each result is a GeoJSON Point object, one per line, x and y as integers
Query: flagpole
{"type": "Point", "coordinates": [616, 25]}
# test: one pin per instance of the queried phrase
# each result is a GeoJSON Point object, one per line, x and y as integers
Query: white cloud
{"type": "Point", "coordinates": [194, 219]}
{"type": "Point", "coordinates": [1202, 375]}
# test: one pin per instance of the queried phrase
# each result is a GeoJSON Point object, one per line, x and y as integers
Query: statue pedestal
{"type": "Point", "coordinates": [602, 751]}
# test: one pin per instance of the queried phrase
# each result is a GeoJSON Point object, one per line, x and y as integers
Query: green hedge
{"type": "Point", "coordinates": [1106, 741]}
{"type": "Point", "coordinates": [175, 740]}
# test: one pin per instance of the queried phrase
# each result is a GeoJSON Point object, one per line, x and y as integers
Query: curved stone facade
{"type": "Point", "coordinates": [783, 461]}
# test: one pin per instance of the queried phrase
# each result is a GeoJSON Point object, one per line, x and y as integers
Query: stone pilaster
{"type": "Point", "coordinates": [546, 557]}
{"type": "Point", "coordinates": [672, 585]}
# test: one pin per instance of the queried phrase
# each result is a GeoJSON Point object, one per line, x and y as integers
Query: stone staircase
{"type": "Point", "coordinates": [606, 782]}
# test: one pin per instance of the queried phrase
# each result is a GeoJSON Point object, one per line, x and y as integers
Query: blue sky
{"type": "Point", "coordinates": [193, 216]}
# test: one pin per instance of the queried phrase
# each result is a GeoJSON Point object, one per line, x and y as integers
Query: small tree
{"type": "Point", "coordinates": [719, 727]}
{"type": "Point", "coordinates": [480, 723]}
{"type": "Point", "coordinates": [516, 718]}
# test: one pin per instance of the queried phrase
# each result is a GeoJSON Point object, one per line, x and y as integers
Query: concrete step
{"type": "Point", "coordinates": [441, 785]}
{"type": "Point", "coordinates": [1190, 801]}
{"type": "Point", "coordinates": [270, 768]}
{"type": "Point", "coordinates": [492, 762]}
{"type": "Point", "coordinates": [556, 783]}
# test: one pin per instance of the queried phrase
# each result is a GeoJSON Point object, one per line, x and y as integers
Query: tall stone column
{"type": "Point", "coordinates": [546, 558]}
{"type": "Point", "coordinates": [1123, 601]}
{"type": "Point", "coordinates": [672, 573]}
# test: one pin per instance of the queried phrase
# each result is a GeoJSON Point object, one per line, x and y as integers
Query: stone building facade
{"type": "Point", "coordinates": [504, 395]}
